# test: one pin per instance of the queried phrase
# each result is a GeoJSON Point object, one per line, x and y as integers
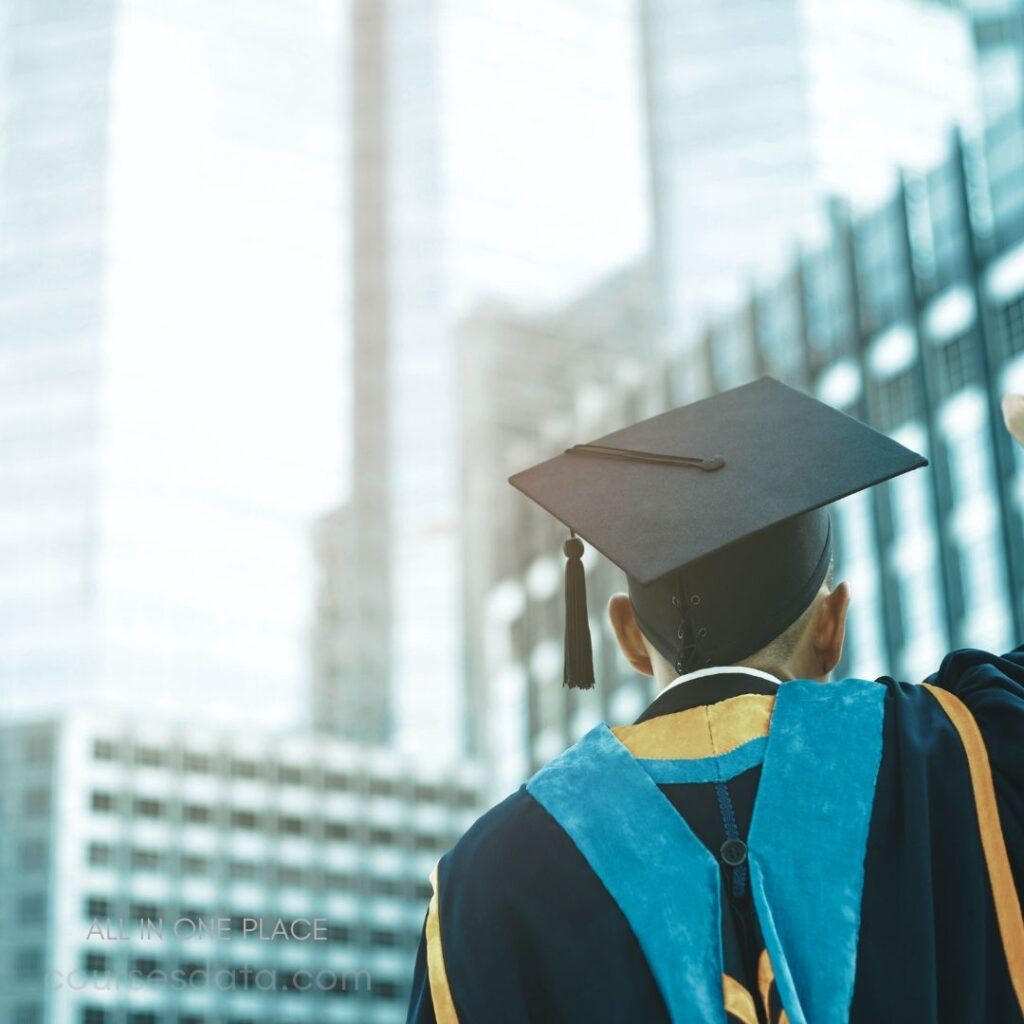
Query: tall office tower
{"type": "Point", "coordinates": [170, 326]}
{"type": "Point", "coordinates": [759, 111]}
{"type": "Point", "coordinates": [145, 867]}
{"type": "Point", "coordinates": [496, 151]}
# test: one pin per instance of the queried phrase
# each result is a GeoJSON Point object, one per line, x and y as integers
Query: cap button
{"type": "Point", "coordinates": [573, 548]}
{"type": "Point", "coordinates": [733, 852]}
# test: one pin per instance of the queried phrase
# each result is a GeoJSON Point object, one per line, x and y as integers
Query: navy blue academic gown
{"type": "Point", "coordinates": [805, 853]}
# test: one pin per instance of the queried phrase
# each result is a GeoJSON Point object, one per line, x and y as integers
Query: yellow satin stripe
{"type": "Point", "coordinates": [1004, 892]}
{"type": "Point", "coordinates": [783, 1018]}
{"type": "Point", "coordinates": [440, 993]}
{"type": "Point", "coordinates": [738, 1001]}
{"type": "Point", "coordinates": [765, 978]}
{"type": "Point", "coordinates": [700, 732]}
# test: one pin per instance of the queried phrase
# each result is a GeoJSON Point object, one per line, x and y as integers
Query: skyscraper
{"type": "Point", "coordinates": [170, 324]}
{"type": "Point", "coordinates": [758, 112]}
{"type": "Point", "coordinates": [496, 151]}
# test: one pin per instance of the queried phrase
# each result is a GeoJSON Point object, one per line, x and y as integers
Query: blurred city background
{"type": "Point", "coordinates": [288, 289]}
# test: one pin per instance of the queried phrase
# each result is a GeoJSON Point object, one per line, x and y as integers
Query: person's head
{"type": "Point", "coordinates": [809, 648]}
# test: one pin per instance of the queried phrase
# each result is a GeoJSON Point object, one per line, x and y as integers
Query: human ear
{"type": "Point", "coordinates": [830, 628]}
{"type": "Point", "coordinates": [628, 635]}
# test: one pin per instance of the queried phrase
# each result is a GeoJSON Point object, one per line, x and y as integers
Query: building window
{"type": "Point", "coordinates": [100, 854]}
{"type": "Point", "coordinates": [104, 750]}
{"type": "Point", "coordinates": [291, 826]}
{"type": "Point", "coordinates": [196, 813]}
{"type": "Point", "coordinates": [465, 798]}
{"type": "Point", "coordinates": [142, 1018]}
{"type": "Point", "coordinates": [290, 876]}
{"type": "Point", "coordinates": [245, 819]}
{"type": "Point", "coordinates": [146, 807]}
{"type": "Point", "coordinates": [96, 962]}
{"type": "Point", "coordinates": [192, 864]}
{"type": "Point", "coordinates": [144, 912]}
{"type": "Point", "coordinates": [337, 781]}
{"type": "Point", "coordinates": [384, 990]}
{"type": "Point", "coordinates": [383, 937]}
{"type": "Point", "coordinates": [382, 787]}
{"type": "Point", "coordinates": [94, 1015]}
{"type": "Point", "coordinates": [145, 860]}
{"type": "Point", "coordinates": [337, 881]}
{"type": "Point", "coordinates": [1011, 328]}
{"type": "Point", "coordinates": [290, 775]}
{"type": "Point", "coordinates": [383, 836]}
{"type": "Point", "coordinates": [957, 363]}
{"type": "Point", "coordinates": [337, 830]}
{"type": "Point", "coordinates": [894, 400]}
{"type": "Point", "coordinates": [244, 769]}
{"type": "Point", "coordinates": [96, 906]}
{"type": "Point", "coordinates": [242, 869]}
{"type": "Point", "coordinates": [151, 757]}
{"type": "Point", "coordinates": [195, 762]}
{"type": "Point", "coordinates": [102, 802]}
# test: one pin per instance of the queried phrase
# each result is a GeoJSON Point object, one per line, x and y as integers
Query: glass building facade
{"type": "Point", "coordinates": [759, 111]}
{"type": "Point", "coordinates": [910, 318]}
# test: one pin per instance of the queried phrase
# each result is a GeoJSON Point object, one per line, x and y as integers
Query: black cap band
{"type": "Point", "coordinates": [724, 607]}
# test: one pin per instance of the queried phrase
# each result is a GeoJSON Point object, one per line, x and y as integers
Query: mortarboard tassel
{"type": "Point", "coordinates": [579, 656]}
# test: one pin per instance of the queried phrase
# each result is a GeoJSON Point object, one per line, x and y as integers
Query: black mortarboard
{"type": "Point", "coordinates": [716, 513]}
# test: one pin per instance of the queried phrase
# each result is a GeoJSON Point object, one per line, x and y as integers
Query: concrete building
{"type": "Point", "coordinates": [170, 328]}
{"type": "Point", "coordinates": [145, 869]}
{"type": "Point", "coordinates": [910, 318]}
{"type": "Point", "coordinates": [758, 112]}
{"type": "Point", "coordinates": [518, 371]}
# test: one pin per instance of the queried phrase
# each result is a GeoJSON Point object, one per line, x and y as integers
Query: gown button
{"type": "Point", "coordinates": [733, 852]}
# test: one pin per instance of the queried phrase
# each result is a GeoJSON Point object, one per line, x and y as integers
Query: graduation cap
{"type": "Point", "coordinates": [716, 511]}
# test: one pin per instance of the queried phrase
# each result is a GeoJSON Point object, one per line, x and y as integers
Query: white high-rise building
{"type": "Point", "coordinates": [759, 112]}
{"type": "Point", "coordinates": [170, 332]}
{"type": "Point", "coordinates": [497, 151]}
{"type": "Point", "coordinates": [145, 868]}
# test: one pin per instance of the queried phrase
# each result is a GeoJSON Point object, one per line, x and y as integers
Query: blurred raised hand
{"type": "Point", "coordinates": [1013, 416]}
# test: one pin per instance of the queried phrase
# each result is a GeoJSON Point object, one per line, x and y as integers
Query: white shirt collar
{"type": "Point", "coordinates": [721, 670]}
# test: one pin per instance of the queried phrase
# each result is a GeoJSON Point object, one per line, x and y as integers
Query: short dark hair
{"type": "Point", "coordinates": [780, 649]}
